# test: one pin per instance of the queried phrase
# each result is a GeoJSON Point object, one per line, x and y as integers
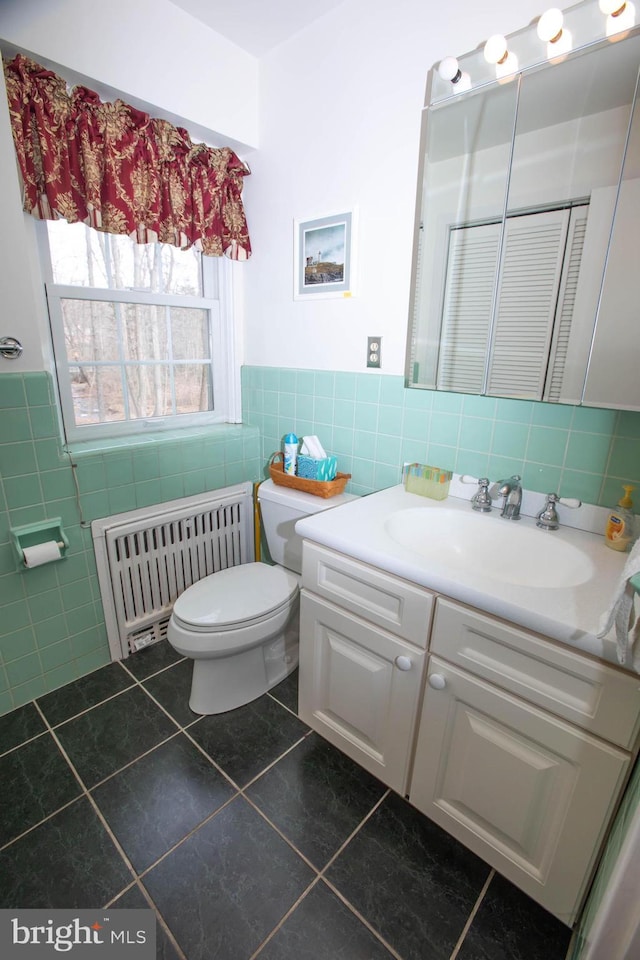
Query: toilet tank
{"type": "Point", "coordinates": [281, 507]}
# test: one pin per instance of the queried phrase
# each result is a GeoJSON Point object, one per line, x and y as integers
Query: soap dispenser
{"type": "Point", "coordinates": [619, 528]}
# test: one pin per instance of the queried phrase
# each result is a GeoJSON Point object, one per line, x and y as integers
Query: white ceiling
{"type": "Point", "coordinates": [256, 25]}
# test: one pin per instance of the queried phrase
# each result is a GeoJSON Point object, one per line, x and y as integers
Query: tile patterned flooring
{"type": "Point", "coordinates": [247, 833]}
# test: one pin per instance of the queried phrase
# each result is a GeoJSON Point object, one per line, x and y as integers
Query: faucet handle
{"type": "Point", "coordinates": [547, 519]}
{"type": "Point", "coordinates": [570, 502]}
{"type": "Point", "coordinates": [481, 500]}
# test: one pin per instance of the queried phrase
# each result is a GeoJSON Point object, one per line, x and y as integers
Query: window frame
{"type": "Point", "coordinates": [216, 278]}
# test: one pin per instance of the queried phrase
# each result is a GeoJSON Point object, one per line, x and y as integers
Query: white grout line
{"type": "Point", "coordinates": [471, 916]}
{"type": "Point", "coordinates": [174, 663]}
{"type": "Point", "coordinates": [22, 743]}
{"type": "Point", "coordinates": [320, 877]}
{"type": "Point", "coordinates": [357, 829]}
{"type": "Point", "coordinates": [111, 905]}
{"type": "Point", "coordinates": [284, 919]}
{"type": "Point", "coordinates": [363, 920]}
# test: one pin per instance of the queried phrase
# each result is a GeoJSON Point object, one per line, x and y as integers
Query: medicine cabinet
{"type": "Point", "coordinates": [526, 266]}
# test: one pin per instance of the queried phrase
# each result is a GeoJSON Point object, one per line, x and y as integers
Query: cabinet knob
{"type": "Point", "coordinates": [437, 681]}
{"type": "Point", "coordinates": [403, 663]}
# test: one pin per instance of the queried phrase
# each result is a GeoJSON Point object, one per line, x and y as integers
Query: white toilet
{"type": "Point", "coordinates": [240, 625]}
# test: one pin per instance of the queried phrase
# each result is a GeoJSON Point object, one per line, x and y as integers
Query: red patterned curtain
{"type": "Point", "coordinates": [117, 169]}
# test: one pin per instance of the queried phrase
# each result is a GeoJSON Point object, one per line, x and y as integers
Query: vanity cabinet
{"type": "Point", "coordinates": [360, 677]}
{"type": "Point", "coordinates": [523, 788]}
{"type": "Point", "coordinates": [516, 745]}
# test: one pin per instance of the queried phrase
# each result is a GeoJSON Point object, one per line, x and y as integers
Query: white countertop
{"type": "Point", "coordinates": [571, 615]}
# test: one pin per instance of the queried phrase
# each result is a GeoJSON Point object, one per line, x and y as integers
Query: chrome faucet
{"type": "Point", "coordinates": [512, 492]}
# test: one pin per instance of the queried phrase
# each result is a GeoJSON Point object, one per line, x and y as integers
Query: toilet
{"type": "Point", "coordinates": [240, 625]}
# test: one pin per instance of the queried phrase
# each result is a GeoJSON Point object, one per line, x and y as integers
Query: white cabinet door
{"type": "Point", "coordinates": [529, 793]}
{"type": "Point", "coordinates": [359, 688]}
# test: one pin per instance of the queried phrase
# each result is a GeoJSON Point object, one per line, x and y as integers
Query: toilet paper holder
{"type": "Point", "coordinates": [42, 533]}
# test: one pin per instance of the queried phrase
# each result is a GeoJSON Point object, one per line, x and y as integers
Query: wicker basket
{"type": "Point", "coordinates": [319, 488]}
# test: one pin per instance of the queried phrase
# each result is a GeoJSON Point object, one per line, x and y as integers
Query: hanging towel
{"type": "Point", "coordinates": [623, 614]}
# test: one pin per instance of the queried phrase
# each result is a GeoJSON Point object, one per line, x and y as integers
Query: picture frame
{"type": "Point", "coordinates": [324, 257]}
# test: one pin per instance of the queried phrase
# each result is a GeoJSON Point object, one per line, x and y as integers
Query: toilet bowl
{"type": "Point", "coordinates": [240, 625]}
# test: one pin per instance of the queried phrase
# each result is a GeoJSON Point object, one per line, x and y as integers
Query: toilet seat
{"type": "Point", "coordinates": [235, 598]}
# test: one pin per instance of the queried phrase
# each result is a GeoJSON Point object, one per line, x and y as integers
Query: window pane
{"type": "Point", "coordinates": [194, 390]}
{"type": "Point", "coordinates": [190, 334]}
{"type": "Point", "coordinates": [144, 331]}
{"type": "Point", "coordinates": [87, 258]}
{"type": "Point", "coordinates": [90, 330]}
{"type": "Point", "coordinates": [97, 394]}
{"type": "Point", "coordinates": [149, 390]}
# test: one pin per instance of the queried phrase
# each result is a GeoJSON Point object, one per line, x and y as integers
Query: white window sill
{"type": "Point", "coordinates": [215, 431]}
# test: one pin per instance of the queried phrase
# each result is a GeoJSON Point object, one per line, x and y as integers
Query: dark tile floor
{"type": "Point", "coordinates": [247, 833]}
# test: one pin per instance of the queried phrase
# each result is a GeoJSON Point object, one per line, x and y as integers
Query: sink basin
{"type": "Point", "coordinates": [490, 546]}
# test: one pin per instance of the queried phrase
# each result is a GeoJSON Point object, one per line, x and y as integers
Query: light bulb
{"type": "Point", "coordinates": [507, 66]}
{"type": "Point", "coordinates": [495, 49]}
{"type": "Point", "coordinates": [550, 25]}
{"type": "Point", "coordinates": [448, 69]}
{"type": "Point", "coordinates": [611, 7]}
{"type": "Point", "coordinates": [620, 16]}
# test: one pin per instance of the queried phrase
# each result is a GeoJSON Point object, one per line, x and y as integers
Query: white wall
{"type": "Point", "coordinates": [339, 108]}
{"type": "Point", "coordinates": [151, 50]}
{"type": "Point", "coordinates": [340, 126]}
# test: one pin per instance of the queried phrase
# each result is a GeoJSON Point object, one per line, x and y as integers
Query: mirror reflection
{"type": "Point", "coordinates": [527, 213]}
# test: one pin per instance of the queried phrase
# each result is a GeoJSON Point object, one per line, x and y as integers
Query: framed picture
{"type": "Point", "coordinates": [324, 257]}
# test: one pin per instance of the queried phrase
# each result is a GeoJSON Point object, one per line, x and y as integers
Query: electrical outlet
{"type": "Point", "coordinates": [374, 350]}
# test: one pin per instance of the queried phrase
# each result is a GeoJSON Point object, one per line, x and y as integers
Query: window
{"type": "Point", "coordinates": [140, 333]}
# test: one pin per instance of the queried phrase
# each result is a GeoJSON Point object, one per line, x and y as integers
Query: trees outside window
{"type": "Point", "coordinates": [139, 332]}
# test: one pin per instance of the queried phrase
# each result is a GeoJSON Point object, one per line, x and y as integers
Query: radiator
{"type": "Point", "coordinates": [146, 558]}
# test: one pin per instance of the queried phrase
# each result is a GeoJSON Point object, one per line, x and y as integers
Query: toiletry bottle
{"type": "Point", "coordinates": [619, 529]}
{"type": "Point", "coordinates": [290, 453]}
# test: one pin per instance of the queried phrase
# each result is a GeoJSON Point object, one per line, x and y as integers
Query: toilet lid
{"type": "Point", "coordinates": [250, 591]}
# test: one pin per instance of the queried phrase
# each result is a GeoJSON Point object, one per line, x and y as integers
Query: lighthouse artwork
{"type": "Point", "coordinates": [323, 256]}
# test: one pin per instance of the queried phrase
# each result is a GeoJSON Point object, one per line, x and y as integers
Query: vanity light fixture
{"type": "Point", "coordinates": [449, 69]}
{"type": "Point", "coordinates": [620, 14]}
{"type": "Point", "coordinates": [550, 30]}
{"type": "Point", "coordinates": [496, 52]}
{"type": "Point", "coordinates": [563, 32]}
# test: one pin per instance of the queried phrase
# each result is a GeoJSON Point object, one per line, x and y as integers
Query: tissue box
{"type": "Point", "coordinates": [312, 469]}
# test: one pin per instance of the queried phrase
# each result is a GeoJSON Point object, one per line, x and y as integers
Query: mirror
{"type": "Point", "coordinates": [525, 267]}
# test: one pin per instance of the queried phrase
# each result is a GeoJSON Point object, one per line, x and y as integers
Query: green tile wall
{"type": "Point", "coordinates": [374, 425]}
{"type": "Point", "coordinates": [52, 626]}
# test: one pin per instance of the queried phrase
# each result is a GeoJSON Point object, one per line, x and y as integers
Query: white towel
{"type": "Point", "coordinates": [622, 614]}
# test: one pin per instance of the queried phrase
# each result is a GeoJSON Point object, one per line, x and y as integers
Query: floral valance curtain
{"type": "Point", "coordinates": [119, 170]}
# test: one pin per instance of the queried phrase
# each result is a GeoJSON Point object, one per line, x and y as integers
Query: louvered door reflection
{"type": "Point", "coordinates": [521, 353]}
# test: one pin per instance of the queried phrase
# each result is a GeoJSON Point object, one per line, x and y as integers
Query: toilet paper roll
{"type": "Point", "coordinates": [41, 553]}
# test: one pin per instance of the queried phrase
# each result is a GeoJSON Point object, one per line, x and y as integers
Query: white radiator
{"type": "Point", "coordinates": [146, 558]}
